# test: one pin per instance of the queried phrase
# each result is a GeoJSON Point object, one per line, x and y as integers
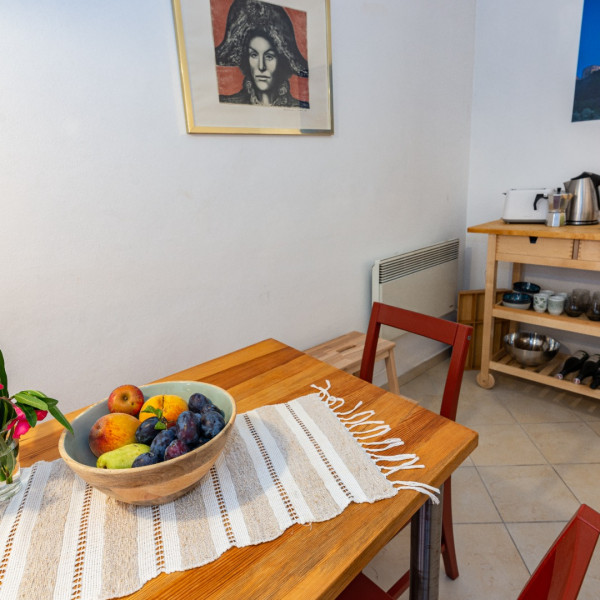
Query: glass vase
{"type": "Point", "coordinates": [10, 472]}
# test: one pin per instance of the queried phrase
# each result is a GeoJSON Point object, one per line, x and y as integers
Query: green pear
{"type": "Point", "coordinates": [121, 458]}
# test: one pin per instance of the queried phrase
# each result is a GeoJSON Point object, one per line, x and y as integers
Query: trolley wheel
{"type": "Point", "coordinates": [488, 383]}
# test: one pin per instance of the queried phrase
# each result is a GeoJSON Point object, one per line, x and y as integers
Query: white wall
{"type": "Point", "coordinates": [131, 249]}
{"type": "Point", "coordinates": [522, 135]}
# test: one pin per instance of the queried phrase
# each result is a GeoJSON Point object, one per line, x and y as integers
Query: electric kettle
{"type": "Point", "coordinates": [585, 204]}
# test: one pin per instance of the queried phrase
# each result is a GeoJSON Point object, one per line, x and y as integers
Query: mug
{"type": "Point", "coordinates": [556, 305]}
{"type": "Point", "coordinates": [540, 302]}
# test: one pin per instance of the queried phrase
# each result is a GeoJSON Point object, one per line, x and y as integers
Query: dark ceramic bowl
{"type": "Point", "coordinates": [516, 300]}
{"type": "Point", "coordinates": [525, 287]}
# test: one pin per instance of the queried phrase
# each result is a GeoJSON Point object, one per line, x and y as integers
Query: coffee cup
{"type": "Point", "coordinates": [556, 304]}
{"type": "Point", "coordinates": [540, 302]}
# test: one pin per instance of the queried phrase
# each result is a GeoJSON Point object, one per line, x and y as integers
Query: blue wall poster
{"type": "Point", "coordinates": [586, 104]}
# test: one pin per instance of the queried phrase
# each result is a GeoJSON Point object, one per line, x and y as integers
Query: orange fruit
{"type": "Point", "coordinates": [172, 406]}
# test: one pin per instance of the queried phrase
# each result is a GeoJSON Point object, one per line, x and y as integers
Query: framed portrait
{"type": "Point", "coordinates": [255, 67]}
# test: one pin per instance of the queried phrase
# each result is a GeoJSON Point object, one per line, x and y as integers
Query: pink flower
{"type": "Point", "coordinates": [21, 426]}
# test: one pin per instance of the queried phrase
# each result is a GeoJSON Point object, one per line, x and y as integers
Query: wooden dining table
{"type": "Point", "coordinates": [317, 561]}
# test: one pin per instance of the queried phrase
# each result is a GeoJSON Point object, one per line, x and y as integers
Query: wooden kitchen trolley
{"type": "Point", "coordinates": [570, 247]}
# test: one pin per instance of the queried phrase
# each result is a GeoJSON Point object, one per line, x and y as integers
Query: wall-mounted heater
{"type": "Point", "coordinates": [424, 280]}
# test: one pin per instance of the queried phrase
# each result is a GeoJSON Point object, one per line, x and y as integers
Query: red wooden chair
{"type": "Point", "coordinates": [559, 575]}
{"type": "Point", "coordinates": [458, 337]}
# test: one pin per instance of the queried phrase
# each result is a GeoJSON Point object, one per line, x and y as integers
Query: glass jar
{"type": "Point", "coordinates": [10, 472]}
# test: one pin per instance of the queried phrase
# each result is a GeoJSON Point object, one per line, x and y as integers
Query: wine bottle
{"type": "Point", "coordinates": [572, 363]}
{"type": "Point", "coordinates": [595, 380]}
{"type": "Point", "coordinates": [590, 366]}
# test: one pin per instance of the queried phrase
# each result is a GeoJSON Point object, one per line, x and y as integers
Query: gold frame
{"type": "Point", "coordinates": [205, 114]}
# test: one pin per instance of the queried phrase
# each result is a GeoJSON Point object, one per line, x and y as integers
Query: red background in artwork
{"type": "Point", "coordinates": [230, 78]}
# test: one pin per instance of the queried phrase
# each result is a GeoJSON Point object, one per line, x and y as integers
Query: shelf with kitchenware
{"type": "Point", "coordinates": [563, 322]}
{"type": "Point", "coordinates": [566, 247]}
{"type": "Point", "coordinates": [545, 374]}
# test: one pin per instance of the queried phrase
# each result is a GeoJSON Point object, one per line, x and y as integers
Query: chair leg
{"type": "Point", "coordinates": [362, 588]}
{"type": "Point", "coordinates": [392, 375]}
{"type": "Point", "coordinates": [400, 586]}
{"type": "Point", "coordinates": [448, 549]}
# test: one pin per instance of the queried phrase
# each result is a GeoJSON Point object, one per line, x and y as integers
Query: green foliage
{"type": "Point", "coordinates": [28, 401]}
{"type": "Point", "coordinates": [3, 378]}
{"type": "Point", "coordinates": [157, 412]}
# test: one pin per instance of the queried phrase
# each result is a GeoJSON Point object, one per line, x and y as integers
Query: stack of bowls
{"type": "Point", "coordinates": [516, 300]}
{"type": "Point", "coordinates": [525, 287]}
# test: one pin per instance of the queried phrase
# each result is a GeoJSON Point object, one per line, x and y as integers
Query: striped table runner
{"type": "Point", "coordinates": [297, 462]}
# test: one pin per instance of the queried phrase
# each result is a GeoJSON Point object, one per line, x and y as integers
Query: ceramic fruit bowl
{"type": "Point", "coordinates": [525, 287]}
{"type": "Point", "coordinates": [530, 349]}
{"type": "Point", "coordinates": [152, 484]}
{"type": "Point", "coordinates": [517, 300]}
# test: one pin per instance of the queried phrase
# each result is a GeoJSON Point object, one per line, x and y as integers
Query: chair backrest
{"type": "Point", "coordinates": [561, 572]}
{"type": "Point", "coordinates": [454, 334]}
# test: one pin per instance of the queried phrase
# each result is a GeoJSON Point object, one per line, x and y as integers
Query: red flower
{"type": "Point", "coordinates": [20, 424]}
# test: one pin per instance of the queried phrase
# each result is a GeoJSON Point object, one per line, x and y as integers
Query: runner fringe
{"type": "Point", "coordinates": [368, 429]}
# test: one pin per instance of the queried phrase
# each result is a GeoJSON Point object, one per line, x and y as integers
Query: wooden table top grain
{"type": "Point", "coordinates": [306, 562]}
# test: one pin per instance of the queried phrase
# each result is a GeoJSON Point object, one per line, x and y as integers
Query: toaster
{"type": "Point", "coordinates": [526, 205]}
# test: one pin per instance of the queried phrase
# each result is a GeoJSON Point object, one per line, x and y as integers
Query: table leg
{"type": "Point", "coordinates": [425, 543]}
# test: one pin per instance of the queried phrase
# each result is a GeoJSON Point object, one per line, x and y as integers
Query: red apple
{"type": "Point", "coordinates": [126, 399]}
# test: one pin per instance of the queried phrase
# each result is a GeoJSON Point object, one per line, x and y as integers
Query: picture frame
{"type": "Point", "coordinates": [255, 67]}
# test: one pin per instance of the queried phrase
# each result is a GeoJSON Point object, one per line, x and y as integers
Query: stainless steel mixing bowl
{"type": "Point", "coordinates": [529, 348]}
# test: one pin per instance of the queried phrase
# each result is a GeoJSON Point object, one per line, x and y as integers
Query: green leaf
{"type": "Point", "coordinates": [7, 412]}
{"type": "Point", "coordinates": [155, 411]}
{"type": "Point", "coordinates": [4, 444]}
{"type": "Point", "coordinates": [50, 401]}
{"type": "Point", "coordinates": [36, 394]}
{"type": "Point", "coordinates": [27, 398]}
{"type": "Point", "coordinates": [55, 412]}
{"type": "Point", "coordinates": [161, 424]}
{"type": "Point", "coordinates": [29, 414]}
{"type": "Point", "coordinates": [3, 378]}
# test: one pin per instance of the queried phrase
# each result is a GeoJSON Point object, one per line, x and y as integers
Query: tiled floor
{"type": "Point", "coordinates": [538, 459]}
